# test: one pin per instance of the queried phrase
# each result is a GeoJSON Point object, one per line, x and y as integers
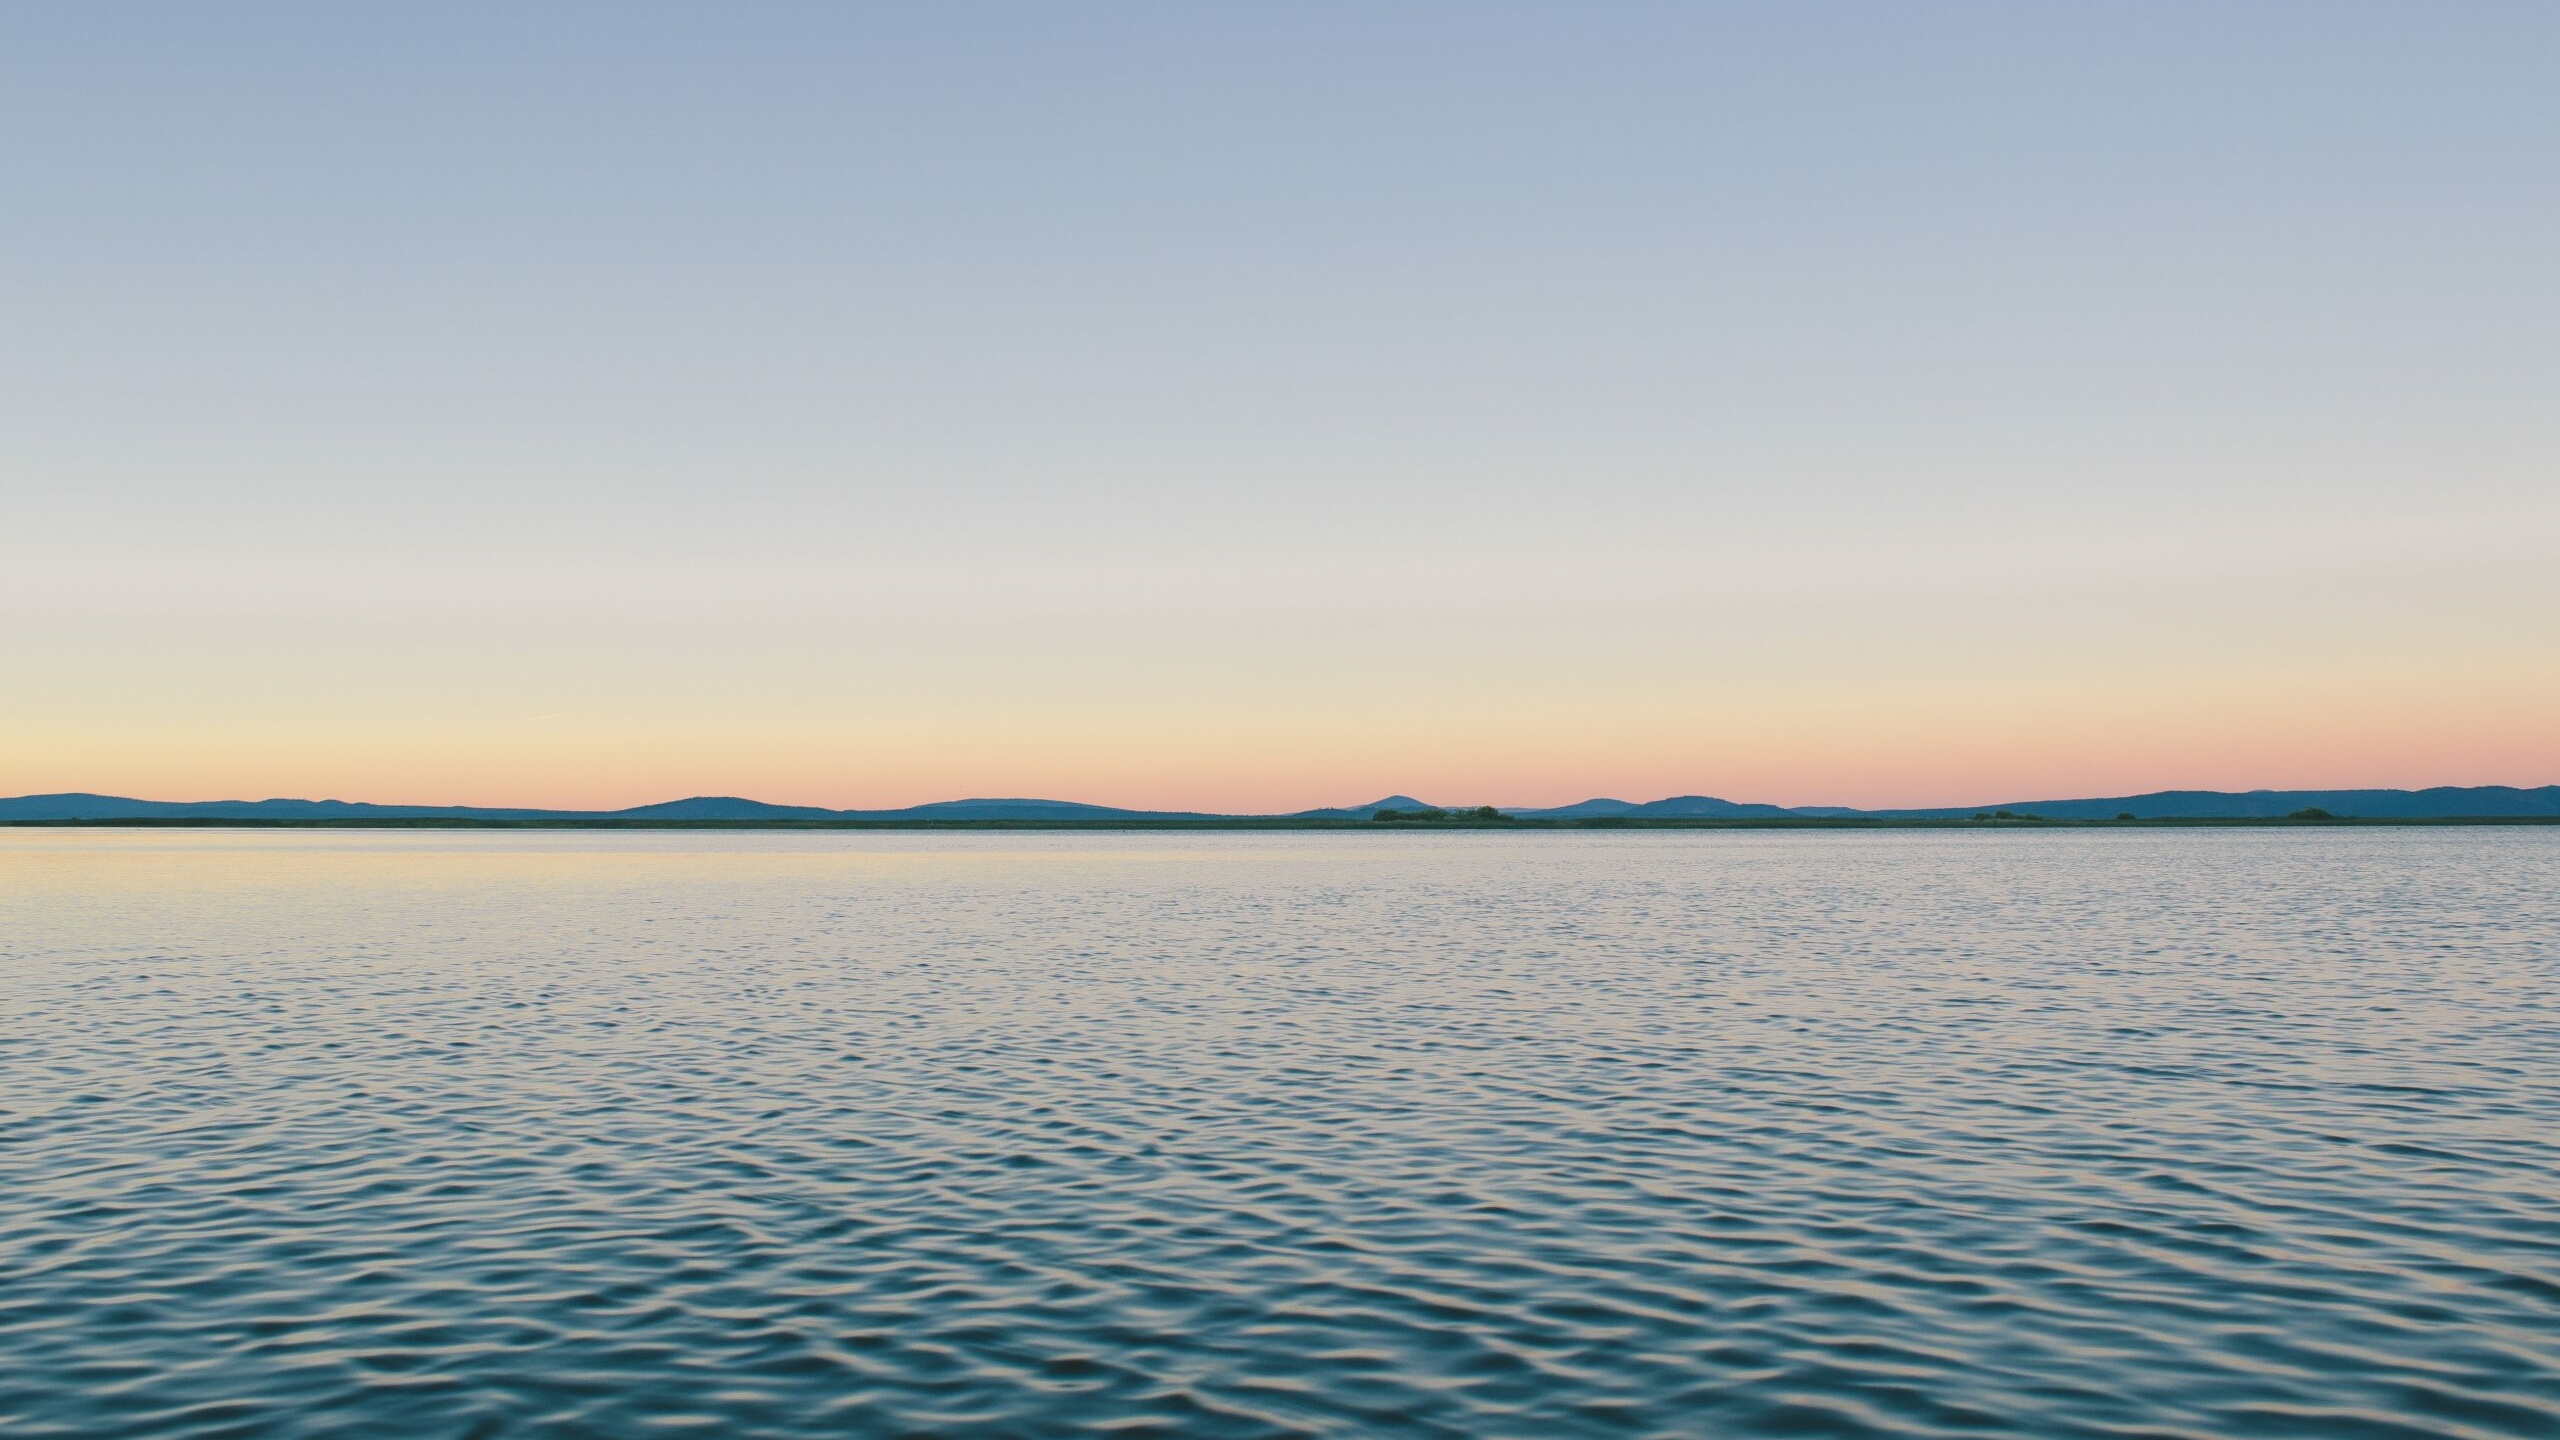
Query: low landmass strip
{"type": "Point", "coordinates": [2477, 804]}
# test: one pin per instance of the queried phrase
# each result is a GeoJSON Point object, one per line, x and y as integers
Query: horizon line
{"type": "Point", "coordinates": [1392, 799]}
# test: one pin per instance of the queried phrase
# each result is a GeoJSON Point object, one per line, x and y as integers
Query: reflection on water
{"type": "Point", "coordinates": [2172, 1133]}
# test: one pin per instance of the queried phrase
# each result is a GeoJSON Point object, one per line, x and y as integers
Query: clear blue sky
{"type": "Point", "coordinates": [1228, 405]}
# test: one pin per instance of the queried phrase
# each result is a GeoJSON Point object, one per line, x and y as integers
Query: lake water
{"type": "Point", "coordinates": [2158, 1133]}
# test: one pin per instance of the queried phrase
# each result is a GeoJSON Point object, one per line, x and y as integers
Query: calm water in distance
{"type": "Point", "coordinates": [2166, 1133]}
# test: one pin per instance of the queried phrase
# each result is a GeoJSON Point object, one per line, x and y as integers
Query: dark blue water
{"type": "Point", "coordinates": [2150, 1134]}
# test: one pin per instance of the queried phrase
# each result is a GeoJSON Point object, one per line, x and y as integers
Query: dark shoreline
{"type": "Point", "coordinates": [1374, 827]}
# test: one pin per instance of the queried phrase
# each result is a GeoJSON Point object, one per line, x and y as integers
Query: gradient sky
{"type": "Point", "coordinates": [1259, 407]}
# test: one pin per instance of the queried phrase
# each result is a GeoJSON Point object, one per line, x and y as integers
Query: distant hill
{"type": "Point", "coordinates": [2441, 802]}
{"type": "Point", "coordinates": [1703, 807]}
{"type": "Point", "coordinates": [721, 807]}
{"type": "Point", "coordinates": [1585, 810]}
{"type": "Point", "coordinates": [115, 807]}
{"type": "Point", "coordinates": [730, 807]}
{"type": "Point", "coordinates": [1706, 807]}
{"type": "Point", "coordinates": [1362, 812]}
{"type": "Point", "coordinates": [1064, 810]}
{"type": "Point", "coordinates": [699, 807]}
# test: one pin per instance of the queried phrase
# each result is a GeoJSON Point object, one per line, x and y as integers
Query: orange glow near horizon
{"type": "Point", "coordinates": [1864, 746]}
{"type": "Point", "coordinates": [1926, 688]}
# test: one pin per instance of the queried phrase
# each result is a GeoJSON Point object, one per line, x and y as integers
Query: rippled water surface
{"type": "Point", "coordinates": [2169, 1133]}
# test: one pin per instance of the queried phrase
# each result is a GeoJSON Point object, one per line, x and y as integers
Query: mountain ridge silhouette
{"type": "Point", "coordinates": [2442, 802]}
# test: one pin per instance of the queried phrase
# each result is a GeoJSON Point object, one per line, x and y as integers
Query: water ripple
{"type": "Point", "coordinates": [2159, 1135]}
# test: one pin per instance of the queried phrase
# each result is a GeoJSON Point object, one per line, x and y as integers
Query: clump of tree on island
{"type": "Point", "coordinates": [1434, 812]}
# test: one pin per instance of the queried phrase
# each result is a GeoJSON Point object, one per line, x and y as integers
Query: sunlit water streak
{"type": "Point", "coordinates": [2165, 1134]}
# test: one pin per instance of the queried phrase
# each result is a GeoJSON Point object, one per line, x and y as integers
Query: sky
{"type": "Point", "coordinates": [1258, 407]}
